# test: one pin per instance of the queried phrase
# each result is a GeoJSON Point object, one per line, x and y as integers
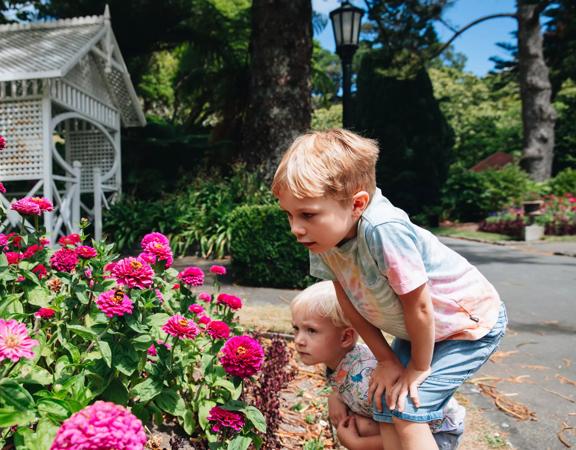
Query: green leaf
{"type": "Point", "coordinates": [106, 352]}
{"type": "Point", "coordinates": [142, 342]}
{"type": "Point", "coordinates": [38, 297]}
{"type": "Point", "coordinates": [11, 393]}
{"type": "Point", "coordinates": [235, 391]}
{"type": "Point", "coordinates": [116, 392]}
{"type": "Point", "coordinates": [45, 433]}
{"type": "Point", "coordinates": [146, 390]}
{"type": "Point", "coordinates": [11, 305]}
{"type": "Point", "coordinates": [54, 408]}
{"type": "Point", "coordinates": [10, 416]}
{"type": "Point", "coordinates": [239, 443]}
{"type": "Point", "coordinates": [254, 415]}
{"type": "Point", "coordinates": [34, 375]}
{"type": "Point", "coordinates": [126, 360]}
{"type": "Point", "coordinates": [204, 411]}
{"type": "Point", "coordinates": [80, 292]}
{"type": "Point", "coordinates": [83, 332]}
{"type": "Point", "coordinates": [171, 402]}
{"type": "Point", "coordinates": [157, 320]}
{"type": "Point", "coordinates": [188, 422]}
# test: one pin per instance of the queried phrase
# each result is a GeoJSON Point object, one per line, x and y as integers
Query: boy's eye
{"type": "Point", "coordinates": [311, 330]}
{"type": "Point", "coordinates": [308, 215]}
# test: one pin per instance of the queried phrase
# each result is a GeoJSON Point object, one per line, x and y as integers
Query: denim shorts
{"type": "Point", "coordinates": [453, 361]}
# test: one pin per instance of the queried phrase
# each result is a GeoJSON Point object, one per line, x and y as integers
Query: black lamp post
{"type": "Point", "coordinates": [346, 25]}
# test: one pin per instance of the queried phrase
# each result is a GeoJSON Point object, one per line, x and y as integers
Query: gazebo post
{"type": "Point", "coordinates": [47, 160]}
{"type": "Point", "coordinates": [76, 199]}
{"type": "Point", "coordinates": [97, 203]}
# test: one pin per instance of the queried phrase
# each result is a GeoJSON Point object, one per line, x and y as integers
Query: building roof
{"type": "Point", "coordinates": [44, 50]}
{"type": "Point", "coordinates": [494, 161]}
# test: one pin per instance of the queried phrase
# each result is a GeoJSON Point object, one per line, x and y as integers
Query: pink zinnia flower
{"type": "Point", "coordinates": [32, 250]}
{"type": "Point", "coordinates": [71, 239]}
{"type": "Point", "coordinates": [14, 341]}
{"type": "Point", "coordinates": [205, 297]}
{"type": "Point", "coordinates": [242, 356]}
{"type": "Point", "coordinates": [26, 207]}
{"type": "Point", "coordinates": [181, 327]}
{"type": "Point", "coordinates": [44, 241]}
{"type": "Point", "coordinates": [133, 272]}
{"type": "Point", "coordinates": [218, 329]}
{"type": "Point", "coordinates": [2, 142]}
{"type": "Point", "coordinates": [40, 271]}
{"type": "Point", "coordinates": [86, 252]}
{"type": "Point", "coordinates": [4, 238]}
{"type": "Point", "coordinates": [157, 251]}
{"type": "Point", "coordinates": [45, 313]}
{"type": "Point", "coordinates": [203, 319]}
{"type": "Point", "coordinates": [2, 188]}
{"type": "Point", "coordinates": [159, 295]}
{"type": "Point", "coordinates": [15, 239]}
{"type": "Point", "coordinates": [64, 260]}
{"type": "Point", "coordinates": [192, 276]}
{"type": "Point", "coordinates": [100, 426]}
{"type": "Point", "coordinates": [223, 418]}
{"type": "Point", "coordinates": [13, 257]}
{"type": "Point", "coordinates": [218, 270]}
{"type": "Point", "coordinates": [231, 301]}
{"type": "Point", "coordinates": [43, 203]}
{"type": "Point", "coordinates": [153, 237]}
{"type": "Point", "coordinates": [114, 302]}
{"type": "Point", "coordinates": [152, 350]}
{"type": "Point", "coordinates": [195, 308]}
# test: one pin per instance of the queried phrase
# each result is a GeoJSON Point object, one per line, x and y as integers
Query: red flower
{"type": "Point", "coordinates": [64, 260]}
{"type": "Point", "coordinates": [2, 188]}
{"type": "Point", "coordinates": [218, 270]}
{"type": "Point", "coordinates": [205, 297]}
{"type": "Point", "coordinates": [13, 257]}
{"type": "Point", "coordinates": [32, 250]}
{"type": "Point", "coordinates": [181, 327]}
{"type": "Point", "coordinates": [40, 271]}
{"type": "Point", "coordinates": [242, 356]}
{"type": "Point", "coordinates": [45, 313]}
{"type": "Point", "coordinates": [44, 204]}
{"type": "Point", "coordinates": [2, 142]}
{"type": "Point", "coordinates": [192, 276]}
{"type": "Point", "coordinates": [86, 252]}
{"type": "Point", "coordinates": [231, 301]}
{"type": "Point", "coordinates": [223, 418]}
{"type": "Point", "coordinates": [218, 329]}
{"type": "Point", "coordinates": [71, 239]}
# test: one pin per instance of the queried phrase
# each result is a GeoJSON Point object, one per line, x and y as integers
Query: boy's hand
{"type": "Point", "coordinates": [337, 410]}
{"type": "Point", "coordinates": [347, 432]}
{"type": "Point", "coordinates": [383, 379]}
{"type": "Point", "coordinates": [407, 384]}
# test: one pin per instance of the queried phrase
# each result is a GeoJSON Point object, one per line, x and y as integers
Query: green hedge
{"type": "Point", "coordinates": [264, 251]}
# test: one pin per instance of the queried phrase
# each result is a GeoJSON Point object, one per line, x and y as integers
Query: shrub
{"type": "Point", "coordinates": [564, 182]}
{"type": "Point", "coordinates": [469, 196]}
{"type": "Point", "coordinates": [264, 251]}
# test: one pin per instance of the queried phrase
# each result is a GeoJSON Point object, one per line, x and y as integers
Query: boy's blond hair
{"type": "Point", "coordinates": [335, 163]}
{"type": "Point", "coordinates": [320, 298]}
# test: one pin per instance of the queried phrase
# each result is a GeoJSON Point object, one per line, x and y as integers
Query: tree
{"type": "Point", "coordinates": [279, 103]}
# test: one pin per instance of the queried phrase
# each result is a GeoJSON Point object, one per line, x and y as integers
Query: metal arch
{"type": "Point", "coordinates": [71, 115]}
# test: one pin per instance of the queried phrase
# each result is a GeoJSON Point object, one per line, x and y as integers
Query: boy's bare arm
{"type": "Point", "coordinates": [389, 368]}
{"type": "Point", "coordinates": [419, 320]}
{"type": "Point", "coordinates": [337, 409]}
{"type": "Point", "coordinates": [350, 438]}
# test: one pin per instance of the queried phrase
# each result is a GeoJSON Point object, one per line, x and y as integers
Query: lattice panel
{"type": "Point", "coordinates": [92, 149]}
{"type": "Point", "coordinates": [86, 75]}
{"type": "Point", "coordinates": [21, 125]}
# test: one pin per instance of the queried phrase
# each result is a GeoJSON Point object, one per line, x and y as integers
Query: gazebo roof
{"type": "Point", "coordinates": [44, 50]}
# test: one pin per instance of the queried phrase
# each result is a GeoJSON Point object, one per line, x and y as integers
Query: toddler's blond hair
{"type": "Point", "coordinates": [320, 298]}
{"type": "Point", "coordinates": [335, 163]}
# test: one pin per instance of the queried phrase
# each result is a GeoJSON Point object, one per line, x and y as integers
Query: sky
{"type": "Point", "coordinates": [478, 43]}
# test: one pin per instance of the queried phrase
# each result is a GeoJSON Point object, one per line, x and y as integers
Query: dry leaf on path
{"type": "Point", "coordinates": [565, 380]}
{"type": "Point", "coordinates": [505, 404]}
{"type": "Point", "coordinates": [570, 399]}
{"type": "Point", "coordinates": [499, 356]}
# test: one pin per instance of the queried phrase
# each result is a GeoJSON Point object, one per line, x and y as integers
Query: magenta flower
{"type": "Point", "coordinates": [231, 301]}
{"type": "Point", "coordinates": [114, 303]}
{"type": "Point", "coordinates": [218, 329]}
{"type": "Point", "coordinates": [192, 276]}
{"type": "Point", "coordinates": [156, 251]}
{"type": "Point", "coordinates": [101, 426]}
{"type": "Point", "coordinates": [32, 250]}
{"type": "Point", "coordinates": [133, 272]}
{"type": "Point", "coordinates": [195, 308]}
{"type": "Point", "coordinates": [26, 207]}
{"type": "Point", "coordinates": [2, 142]}
{"type": "Point", "coordinates": [242, 356]}
{"type": "Point", "coordinates": [14, 341]}
{"type": "Point", "coordinates": [64, 260]}
{"type": "Point", "coordinates": [40, 271]}
{"type": "Point", "coordinates": [203, 319]}
{"type": "Point", "coordinates": [2, 188]}
{"type": "Point", "coordinates": [223, 418]}
{"type": "Point", "coordinates": [180, 327]}
{"type": "Point", "coordinates": [218, 270]}
{"type": "Point", "coordinates": [86, 252]}
{"type": "Point", "coordinates": [4, 238]}
{"type": "Point", "coordinates": [159, 295]}
{"type": "Point", "coordinates": [71, 239]}
{"type": "Point", "coordinates": [205, 297]}
{"type": "Point", "coordinates": [45, 313]}
{"type": "Point", "coordinates": [153, 237]}
{"type": "Point", "coordinates": [13, 257]}
{"type": "Point", "coordinates": [44, 204]}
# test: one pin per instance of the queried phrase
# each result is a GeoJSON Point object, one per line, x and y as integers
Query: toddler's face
{"type": "Point", "coordinates": [319, 223]}
{"type": "Point", "coordinates": [317, 340]}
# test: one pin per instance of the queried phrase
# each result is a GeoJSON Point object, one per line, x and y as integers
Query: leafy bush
{"type": "Point", "coordinates": [78, 327]}
{"type": "Point", "coordinates": [469, 196]}
{"type": "Point", "coordinates": [196, 218]}
{"type": "Point", "coordinates": [564, 182]}
{"type": "Point", "coordinates": [264, 251]}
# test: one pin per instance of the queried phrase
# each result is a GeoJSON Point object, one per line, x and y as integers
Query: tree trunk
{"type": "Point", "coordinates": [279, 106]}
{"type": "Point", "coordinates": [538, 115]}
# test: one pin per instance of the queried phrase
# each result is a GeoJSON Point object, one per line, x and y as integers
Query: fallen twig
{"type": "Point", "coordinates": [570, 399]}
{"type": "Point", "coordinates": [508, 406]}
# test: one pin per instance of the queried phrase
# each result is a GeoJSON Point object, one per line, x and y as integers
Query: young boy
{"type": "Point", "coordinates": [324, 336]}
{"type": "Point", "coordinates": [390, 275]}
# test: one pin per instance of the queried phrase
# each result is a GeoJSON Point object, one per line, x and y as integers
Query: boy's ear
{"type": "Point", "coordinates": [360, 202]}
{"type": "Point", "coordinates": [348, 337]}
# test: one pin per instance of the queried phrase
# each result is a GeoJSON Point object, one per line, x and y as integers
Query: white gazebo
{"type": "Point", "coordinates": [65, 92]}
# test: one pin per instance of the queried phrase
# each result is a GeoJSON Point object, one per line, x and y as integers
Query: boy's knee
{"type": "Point", "coordinates": [406, 427]}
{"type": "Point", "coordinates": [367, 426]}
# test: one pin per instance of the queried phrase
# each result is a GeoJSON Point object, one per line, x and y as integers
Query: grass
{"type": "Point", "coordinates": [469, 234]}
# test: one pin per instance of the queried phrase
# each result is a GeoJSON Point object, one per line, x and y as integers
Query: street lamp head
{"type": "Point", "coordinates": [346, 21]}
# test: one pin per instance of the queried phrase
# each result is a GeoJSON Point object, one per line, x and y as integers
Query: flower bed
{"type": "Point", "coordinates": [92, 346]}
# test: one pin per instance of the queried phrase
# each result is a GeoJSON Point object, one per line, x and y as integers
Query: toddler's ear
{"type": "Point", "coordinates": [348, 337]}
{"type": "Point", "coordinates": [360, 202]}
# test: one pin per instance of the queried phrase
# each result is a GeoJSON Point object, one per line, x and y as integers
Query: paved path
{"type": "Point", "coordinates": [540, 293]}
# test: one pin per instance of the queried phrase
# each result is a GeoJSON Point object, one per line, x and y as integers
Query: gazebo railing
{"type": "Point", "coordinates": [67, 202]}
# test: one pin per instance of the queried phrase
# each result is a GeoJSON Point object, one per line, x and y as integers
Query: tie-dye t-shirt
{"type": "Point", "coordinates": [391, 256]}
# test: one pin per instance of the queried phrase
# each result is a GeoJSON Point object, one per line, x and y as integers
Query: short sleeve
{"type": "Point", "coordinates": [394, 246]}
{"type": "Point", "coordinates": [319, 269]}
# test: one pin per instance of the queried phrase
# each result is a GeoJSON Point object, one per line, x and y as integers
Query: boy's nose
{"type": "Point", "coordinates": [297, 230]}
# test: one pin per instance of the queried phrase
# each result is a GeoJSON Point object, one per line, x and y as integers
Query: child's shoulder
{"type": "Point", "coordinates": [381, 211]}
